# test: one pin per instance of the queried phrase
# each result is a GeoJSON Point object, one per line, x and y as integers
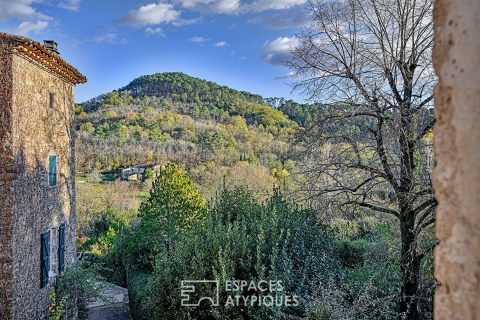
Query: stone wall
{"type": "Point", "coordinates": [457, 151]}
{"type": "Point", "coordinates": [36, 132]}
{"type": "Point", "coordinates": [6, 183]}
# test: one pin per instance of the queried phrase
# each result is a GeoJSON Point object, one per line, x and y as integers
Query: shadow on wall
{"type": "Point", "coordinates": [38, 208]}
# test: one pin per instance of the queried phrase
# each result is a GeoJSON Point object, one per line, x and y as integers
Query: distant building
{"type": "Point", "coordinates": [137, 172]}
{"type": "Point", "coordinates": [37, 177]}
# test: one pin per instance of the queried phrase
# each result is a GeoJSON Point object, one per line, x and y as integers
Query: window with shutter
{"type": "Point", "coordinates": [52, 173]}
{"type": "Point", "coordinates": [61, 248]}
{"type": "Point", "coordinates": [44, 258]}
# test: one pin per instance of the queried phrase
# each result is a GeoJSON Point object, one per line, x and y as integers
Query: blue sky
{"type": "Point", "coordinates": [238, 43]}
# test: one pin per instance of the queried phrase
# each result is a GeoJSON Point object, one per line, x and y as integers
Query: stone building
{"type": "Point", "coordinates": [37, 190]}
{"type": "Point", "coordinates": [137, 172]}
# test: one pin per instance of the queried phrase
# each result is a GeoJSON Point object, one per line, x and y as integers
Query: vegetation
{"type": "Point", "coordinates": [209, 130]}
{"type": "Point", "coordinates": [332, 198]}
{"type": "Point", "coordinates": [372, 152]}
{"type": "Point", "coordinates": [338, 268]}
{"type": "Point", "coordinates": [71, 293]}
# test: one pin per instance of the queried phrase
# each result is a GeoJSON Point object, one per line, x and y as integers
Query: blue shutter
{"type": "Point", "coordinates": [52, 174]}
{"type": "Point", "coordinates": [61, 248]}
{"type": "Point", "coordinates": [44, 258]}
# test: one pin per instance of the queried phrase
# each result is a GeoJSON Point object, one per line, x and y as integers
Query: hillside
{"type": "Point", "coordinates": [212, 131]}
{"type": "Point", "coordinates": [187, 95]}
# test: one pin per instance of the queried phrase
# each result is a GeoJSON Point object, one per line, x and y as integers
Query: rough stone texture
{"type": "Point", "coordinates": [30, 132]}
{"type": "Point", "coordinates": [457, 149]}
{"type": "Point", "coordinates": [6, 168]}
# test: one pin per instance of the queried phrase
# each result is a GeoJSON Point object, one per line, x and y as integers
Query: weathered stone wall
{"type": "Point", "coordinates": [36, 132]}
{"type": "Point", "coordinates": [6, 178]}
{"type": "Point", "coordinates": [457, 151]}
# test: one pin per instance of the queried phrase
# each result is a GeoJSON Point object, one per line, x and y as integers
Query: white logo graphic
{"type": "Point", "coordinates": [192, 298]}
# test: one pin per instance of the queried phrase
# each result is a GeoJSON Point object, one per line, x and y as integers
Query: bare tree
{"type": "Point", "coordinates": [370, 62]}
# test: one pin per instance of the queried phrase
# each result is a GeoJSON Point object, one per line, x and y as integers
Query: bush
{"type": "Point", "coordinates": [240, 239]}
{"type": "Point", "coordinates": [73, 290]}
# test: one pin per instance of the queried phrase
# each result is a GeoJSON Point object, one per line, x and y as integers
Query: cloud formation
{"type": "Point", "coordinates": [212, 6]}
{"type": "Point", "coordinates": [72, 5]}
{"type": "Point", "coordinates": [220, 44]}
{"type": "Point", "coordinates": [262, 5]}
{"type": "Point", "coordinates": [278, 51]}
{"type": "Point", "coordinates": [27, 27]}
{"type": "Point", "coordinates": [154, 31]}
{"type": "Point", "coordinates": [237, 6]}
{"type": "Point", "coordinates": [152, 14]}
{"type": "Point", "coordinates": [197, 39]}
{"type": "Point", "coordinates": [20, 9]}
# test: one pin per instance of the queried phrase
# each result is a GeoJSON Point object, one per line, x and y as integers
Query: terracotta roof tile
{"type": "Point", "coordinates": [37, 52]}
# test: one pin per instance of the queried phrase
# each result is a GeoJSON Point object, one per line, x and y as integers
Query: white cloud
{"type": "Point", "coordinates": [152, 14]}
{"type": "Point", "coordinates": [212, 6]}
{"type": "Point", "coordinates": [186, 22]}
{"type": "Point", "coordinates": [261, 5]}
{"type": "Point", "coordinates": [237, 6]}
{"type": "Point", "coordinates": [72, 5]}
{"type": "Point", "coordinates": [109, 37]}
{"type": "Point", "coordinates": [154, 31]}
{"type": "Point", "coordinates": [197, 39]}
{"type": "Point", "coordinates": [27, 27]}
{"type": "Point", "coordinates": [220, 44]}
{"type": "Point", "coordinates": [20, 9]}
{"type": "Point", "coordinates": [278, 51]}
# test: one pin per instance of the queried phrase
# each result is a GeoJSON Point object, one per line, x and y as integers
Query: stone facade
{"type": "Point", "coordinates": [31, 130]}
{"type": "Point", "coordinates": [457, 151]}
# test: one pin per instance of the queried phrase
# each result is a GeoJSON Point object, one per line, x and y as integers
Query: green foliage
{"type": "Point", "coordinates": [149, 174]}
{"type": "Point", "coordinates": [238, 239]}
{"type": "Point", "coordinates": [73, 290]}
{"type": "Point", "coordinates": [341, 268]}
{"type": "Point", "coordinates": [87, 127]}
{"type": "Point", "coordinates": [57, 307]}
{"type": "Point", "coordinates": [174, 199]}
{"type": "Point", "coordinates": [174, 205]}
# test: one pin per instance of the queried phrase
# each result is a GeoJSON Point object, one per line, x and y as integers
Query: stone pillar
{"type": "Point", "coordinates": [457, 152]}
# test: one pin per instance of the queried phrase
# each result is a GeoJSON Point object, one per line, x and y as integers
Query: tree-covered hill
{"type": "Point", "coordinates": [210, 130]}
{"type": "Point", "coordinates": [198, 98]}
{"type": "Point", "coordinates": [169, 84]}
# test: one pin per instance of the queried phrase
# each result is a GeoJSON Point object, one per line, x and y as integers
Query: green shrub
{"type": "Point", "coordinates": [241, 239]}
{"type": "Point", "coordinates": [73, 290]}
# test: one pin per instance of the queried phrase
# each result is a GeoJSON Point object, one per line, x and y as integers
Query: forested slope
{"type": "Point", "coordinates": [212, 131]}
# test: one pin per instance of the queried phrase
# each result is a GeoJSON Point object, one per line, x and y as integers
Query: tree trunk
{"type": "Point", "coordinates": [410, 269]}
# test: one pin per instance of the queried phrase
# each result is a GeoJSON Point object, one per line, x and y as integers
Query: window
{"type": "Point", "coordinates": [52, 172]}
{"type": "Point", "coordinates": [44, 258]}
{"type": "Point", "coordinates": [52, 100]}
{"type": "Point", "coordinates": [61, 248]}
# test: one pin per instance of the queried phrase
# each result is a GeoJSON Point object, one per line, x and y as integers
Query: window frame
{"type": "Point", "coordinates": [52, 182]}
{"type": "Point", "coordinates": [51, 100]}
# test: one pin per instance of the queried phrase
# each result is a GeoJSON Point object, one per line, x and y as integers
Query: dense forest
{"type": "Point", "coordinates": [211, 131]}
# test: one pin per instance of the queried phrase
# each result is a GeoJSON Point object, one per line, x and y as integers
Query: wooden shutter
{"type": "Point", "coordinates": [44, 258]}
{"type": "Point", "coordinates": [52, 174]}
{"type": "Point", "coordinates": [61, 248]}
